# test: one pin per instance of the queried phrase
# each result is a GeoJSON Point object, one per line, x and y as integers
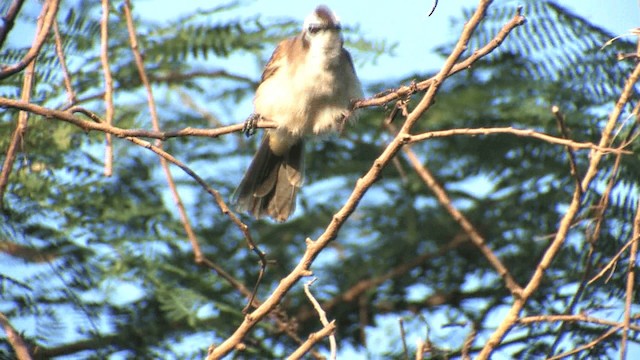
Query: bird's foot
{"type": "Point", "coordinates": [250, 125]}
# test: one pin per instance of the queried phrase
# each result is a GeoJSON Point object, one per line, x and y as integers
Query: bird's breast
{"type": "Point", "coordinates": [305, 99]}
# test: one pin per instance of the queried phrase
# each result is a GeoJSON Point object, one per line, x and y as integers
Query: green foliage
{"type": "Point", "coordinates": [106, 261]}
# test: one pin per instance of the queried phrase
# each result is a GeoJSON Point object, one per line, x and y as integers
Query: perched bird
{"type": "Point", "coordinates": [307, 88]}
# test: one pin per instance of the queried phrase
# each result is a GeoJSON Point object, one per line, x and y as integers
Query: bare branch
{"type": "Point", "coordinates": [421, 349]}
{"type": "Point", "coordinates": [612, 262]}
{"type": "Point", "coordinates": [156, 127]}
{"type": "Point", "coordinates": [14, 338]}
{"type": "Point", "coordinates": [587, 345]}
{"type": "Point", "coordinates": [403, 337]}
{"type": "Point", "coordinates": [46, 18]}
{"type": "Point", "coordinates": [517, 132]}
{"type": "Point", "coordinates": [468, 342]}
{"type": "Point", "coordinates": [101, 126]}
{"type": "Point", "coordinates": [310, 343]}
{"type": "Point", "coordinates": [108, 85]}
{"type": "Point", "coordinates": [323, 317]}
{"type": "Point", "coordinates": [199, 259]}
{"type": "Point", "coordinates": [63, 63]}
{"type": "Point", "coordinates": [631, 284]}
{"type": "Point", "coordinates": [9, 20]}
{"type": "Point", "coordinates": [572, 318]}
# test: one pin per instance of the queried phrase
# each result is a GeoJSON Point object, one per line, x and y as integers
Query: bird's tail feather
{"type": "Point", "coordinates": [270, 185]}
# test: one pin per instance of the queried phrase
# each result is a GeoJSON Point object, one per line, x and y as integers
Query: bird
{"type": "Point", "coordinates": [308, 88]}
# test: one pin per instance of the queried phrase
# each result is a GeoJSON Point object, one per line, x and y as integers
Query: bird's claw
{"type": "Point", "coordinates": [249, 127]}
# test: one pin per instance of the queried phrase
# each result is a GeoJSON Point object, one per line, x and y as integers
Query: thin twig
{"type": "Point", "coordinates": [612, 262]}
{"type": "Point", "coordinates": [573, 168]}
{"type": "Point", "coordinates": [71, 95]}
{"type": "Point", "coordinates": [572, 318]}
{"type": "Point", "coordinates": [9, 20]}
{"type": "Point", "coordinates": [468, 343]}
{"type": "Point", "coordinates": [67, 116]}
{"type": "Point", "coordinates": [323, 317]}
{"type": "Point", "coordinates": [108, 84]}
{"type": "Point", "coordinates": [165, 166]}
{"type": "Point", "coordinates": [403, 337]}
{"type": "Point", "coordinates": [435, 5]}
{"type": "Point", "coordinates": [46, 18]}
{"type": "Point", "coordinates": [631, 276]}
{"type": "Point", "coordinates": [17, 343]}
{"type": "Point", "coordinates": [256, 285]}
{"type": "Point", "coordinates": [517, 132]}
{"type": "Point", "coordinates": [565, 135]}
{"type": "Point", "coordinates": [587, 345]}
{"type": "Point", "coordinates": [307, 345]}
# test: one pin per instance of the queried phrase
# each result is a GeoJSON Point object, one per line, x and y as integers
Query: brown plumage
{"type": "Point", "coordinates": [306, 88]}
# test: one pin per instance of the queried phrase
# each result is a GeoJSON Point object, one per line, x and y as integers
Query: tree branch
{"type": "Point", "coordinates": [63, 63]}
{"type": "Point", "coordinates": [587, 345]}
{"type": "Point", "coordinates": [631, 283]}
{"type": "Point", "coordinates": [310, 343]}
{"type": "Point", "coordinates": [572, 318]}
{"type": "Point", "coordinates": [14, 338]}
{"type": "Point", "coordinates": [323, 317]}
{"type": "Point", "coordinates": [108, 84]}
{"type": "Point", "coordinates": [48, 14]}
{"type": "Point", "coordinates": [67, 116]}
{"type": "Point", "coordinates": [9, 20]}
{"type": "Point", "coordinates": [517, 132]}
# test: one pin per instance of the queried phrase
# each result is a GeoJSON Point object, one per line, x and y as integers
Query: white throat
{"type": "Point", "coordinates": [326, 46]}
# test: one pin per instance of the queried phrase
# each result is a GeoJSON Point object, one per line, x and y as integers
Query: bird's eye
{"type": "Point", "coordinates": [313, 29]}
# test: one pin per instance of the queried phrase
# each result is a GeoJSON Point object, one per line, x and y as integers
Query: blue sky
{"type": "Point", "coordinates": [406, 23]}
